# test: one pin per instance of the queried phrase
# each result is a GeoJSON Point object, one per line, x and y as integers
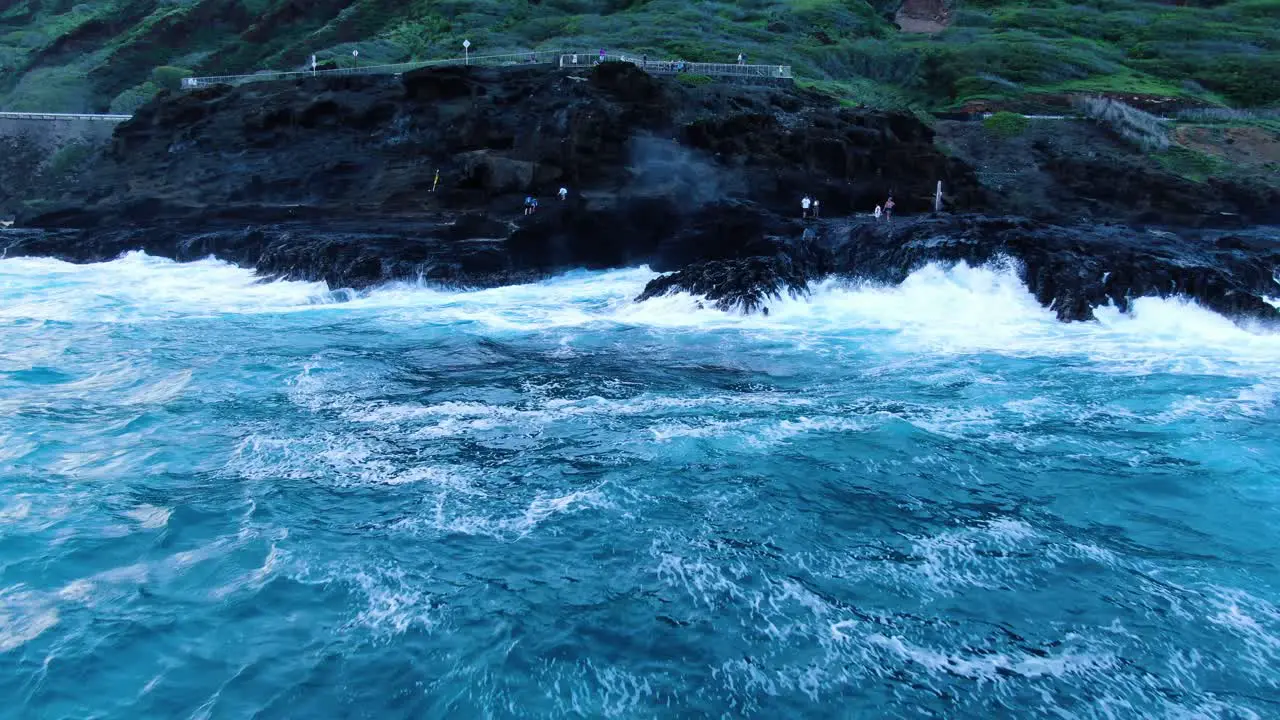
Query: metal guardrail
{"type": "Point", "coordinates": [62, 116]}
{"type": "Point", "coordinates": [528, 58]}
{"type": "Point", "coordinates": [563, 59]}
{"type": "Point", "coordinates": [675, 67]}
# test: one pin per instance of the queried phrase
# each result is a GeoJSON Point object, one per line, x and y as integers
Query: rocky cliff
{"type": "Point", "coordinates": [337, 179]}
{"type": "Point", "coordinates": [39, 158]}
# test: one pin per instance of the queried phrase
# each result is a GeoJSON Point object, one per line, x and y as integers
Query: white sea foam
{"type": "Point", "coordinates": [990, 666]}
{"type": "Point", "coordinates": [149, 517]}
{"type": "Point", "coordinates": [24, 616]}
{"type": "Point", "coordinates": [540, 509]}
{"type": "Point", "coordinates": [138, 286]}
{"type": "Point", "coordinates": [938, 308]}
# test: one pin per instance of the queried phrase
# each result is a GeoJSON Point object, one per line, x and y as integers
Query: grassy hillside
{"type": "Point", "coordinates": [78, 55]}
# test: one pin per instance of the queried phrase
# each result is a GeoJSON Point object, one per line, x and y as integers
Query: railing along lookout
{"type": "Point", "coordinates": [556, 58]}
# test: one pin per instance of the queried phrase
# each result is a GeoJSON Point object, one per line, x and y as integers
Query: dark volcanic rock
{"type": "Point", "coordinates": [335, 179]}
{"type": "Point", "coordinates": [1070, 269]}
{"type": "Point", "coordinates": [371, 145]}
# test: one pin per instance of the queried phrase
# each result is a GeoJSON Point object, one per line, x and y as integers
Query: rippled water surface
{"type": "Point", "coordinates": [221, 498]}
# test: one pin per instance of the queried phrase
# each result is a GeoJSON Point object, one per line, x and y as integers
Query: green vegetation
{"type": "Point", "coordinates": [1191, 164]}
{"type": "Point", "coordinates": [169, 77]}
{"type": "Point", "coordinates": [696, 80]}
{"type": "Point", "coordinates": [67, 159]}
{"type": "Point", "coordinates": [127, 102]}
{"type": "Point", "coordinates": [1006, 124]}
{"type": "Point", "coordinates": [77, 55]}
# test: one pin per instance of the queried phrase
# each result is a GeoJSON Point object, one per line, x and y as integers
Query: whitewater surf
{"type": "Point", "coordinates": [223, 496]}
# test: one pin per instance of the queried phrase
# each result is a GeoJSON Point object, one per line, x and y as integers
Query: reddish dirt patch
{"type": "Point", "coordinates": [1240, 146]}
{"type": "Point", "coordinates": [924, 16]}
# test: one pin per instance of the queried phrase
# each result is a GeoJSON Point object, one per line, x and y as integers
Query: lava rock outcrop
{"type": "Point", "coordinates": [364, 179]}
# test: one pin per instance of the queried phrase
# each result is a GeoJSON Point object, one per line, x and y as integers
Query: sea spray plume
{"type": "Point", "coordinates": [1143, 129]}
{"type": "Point", "coordinates": [664, 168]}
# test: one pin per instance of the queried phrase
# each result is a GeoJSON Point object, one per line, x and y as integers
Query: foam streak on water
{"type": "Point", "coordinates": [223, 497]}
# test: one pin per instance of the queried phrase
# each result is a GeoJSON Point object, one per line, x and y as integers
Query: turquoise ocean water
{"type": "Point", "coordinates": [225, 498]}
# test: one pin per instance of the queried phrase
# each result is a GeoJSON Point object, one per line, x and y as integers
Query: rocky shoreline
{"type": "Point", "coordinates": [334, 179]}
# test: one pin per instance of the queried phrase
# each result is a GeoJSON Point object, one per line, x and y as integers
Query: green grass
{"type": "Point", "coordinates": [695, 80]}
{"type": "Point", "coordinates": [996, 50]}
{"type": "Point", "coordinates": [1006, 124]}
{"type": "Point", "coordinates": [1191, 164]}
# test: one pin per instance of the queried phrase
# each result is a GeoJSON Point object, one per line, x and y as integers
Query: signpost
{"type": "Point", "coordinates": [355, 54]}
{"type": "Point", "coordinates": [466, 49]}
{"type": "Point", "coordinates": [313, 64]}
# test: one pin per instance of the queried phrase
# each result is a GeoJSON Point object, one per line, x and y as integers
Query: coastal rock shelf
{"type": "Point", "coordinates": [361, 180]}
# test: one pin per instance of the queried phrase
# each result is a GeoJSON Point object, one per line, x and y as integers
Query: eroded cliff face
{"type": "Point", "coordinates": [39, 158]}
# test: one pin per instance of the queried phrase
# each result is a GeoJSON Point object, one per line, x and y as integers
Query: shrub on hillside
{"type": "Point", "coordinates": [1143, 129]}
{"type": "Point", "coordinates": [168, 77]}
{"type": "Point", "coordinates": [1006, 124]}
{"type": "Point", "coordinates": [128, 102]}
{"type": "Point", "coordinates": [67, 159]}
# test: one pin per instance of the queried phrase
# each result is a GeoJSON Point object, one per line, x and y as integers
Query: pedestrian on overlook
{"type": "Point", "coordinates": [741, 60]}
{"type": "Point", "coordinates": [601, 54]}
{"type": "Point", "coordinates": [888, 207]}
{"type": "Point", "coordinates": [805, 204]}
{"type": "Point", "coordinates": [564, 194]}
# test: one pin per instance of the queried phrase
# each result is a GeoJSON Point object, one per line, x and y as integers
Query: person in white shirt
{"type": "Point", "coordinates": [564, 193]}
{"type": "Point", "coordinates": [878, 212]}
{"type": "Point", "coordinates": [805, 204]}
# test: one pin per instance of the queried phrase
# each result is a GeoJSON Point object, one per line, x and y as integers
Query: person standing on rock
{"type": "Point", "coordinates": [817, 207]}
{"type": "Point", "coordinates": [805, 204]}
{"type": "Point", "coordinates": [888, 208]}
{"type": "Point", "coordinates": [528, 205]}
{"type": "Point", "coordinates": [879, 211]}
{"type": "Point", "coordinates": [564, 194]}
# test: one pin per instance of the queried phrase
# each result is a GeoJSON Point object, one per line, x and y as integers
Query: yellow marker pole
{"type": "Point", "coordinates": [436, 182]}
